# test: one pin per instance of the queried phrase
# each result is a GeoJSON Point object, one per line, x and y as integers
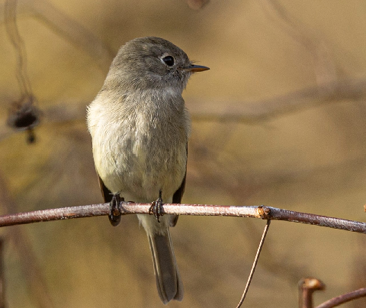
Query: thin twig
{"type": "Point", "coordinates": [341, 299]}
{"type": "Point", "coordinates": [262, 212]}
{"type": "Point", "coordinates": [23, 114]}
{"type": "Point", "coordinates": [256, 258]}
{"type": "Point", "coordinates": [18, 44]}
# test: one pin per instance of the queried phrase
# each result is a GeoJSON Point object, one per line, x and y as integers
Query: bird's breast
{"type": "Point", "coordinates": [142, 152]}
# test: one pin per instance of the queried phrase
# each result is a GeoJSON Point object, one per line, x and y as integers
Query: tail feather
{"type": "Point", "coordinates": [167, 275]}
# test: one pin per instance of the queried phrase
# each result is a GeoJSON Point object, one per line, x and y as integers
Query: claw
{"type": "Point", "coordinates": [114, 214]}
{"type": "Point", "coordinates": [156, 208]}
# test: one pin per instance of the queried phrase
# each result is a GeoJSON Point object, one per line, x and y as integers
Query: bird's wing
{"type": "Point", "coordinates": [177, 197]}
{"type": "Point", "coordinates": [107, 194]}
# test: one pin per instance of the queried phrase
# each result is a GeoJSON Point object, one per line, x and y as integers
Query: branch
{"type": "Point", "coordinates": [262, 212]}
{"type": "Point", "coordinates": [2, 275]}
{"type": "Point", "coordinates": [341, 299]}
{"type": "Point", "coordinates": [307, 286]}
{"type": "Point", "coordinates": [257, 111]}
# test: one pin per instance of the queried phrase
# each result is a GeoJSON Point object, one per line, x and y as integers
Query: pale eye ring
{"type": "Point", "coordinates": [168, 60]}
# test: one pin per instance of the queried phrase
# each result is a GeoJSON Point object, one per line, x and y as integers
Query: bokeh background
{"type": "Point", "coordinates": [278, 120]}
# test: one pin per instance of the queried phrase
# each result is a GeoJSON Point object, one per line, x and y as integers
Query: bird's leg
{"type": "Point", "coordinates": [114, 214]}
{"type": "Point", "coordinates": [156, 207]}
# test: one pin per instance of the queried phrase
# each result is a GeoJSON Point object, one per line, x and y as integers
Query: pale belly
{"type": "Point", "coordinates": [138, 167]}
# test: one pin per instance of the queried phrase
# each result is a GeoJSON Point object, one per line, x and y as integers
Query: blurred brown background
{"type": "Point", "coordinates": [278, 120]}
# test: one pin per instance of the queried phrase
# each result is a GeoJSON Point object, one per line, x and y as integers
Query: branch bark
{"type": "Point", "coordinates": [262, 212]}
{"type": "Point", "coordinates": [344, 298]}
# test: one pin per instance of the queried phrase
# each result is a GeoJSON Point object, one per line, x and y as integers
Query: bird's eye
{"type": "Point", "coordinates": [168, 60]}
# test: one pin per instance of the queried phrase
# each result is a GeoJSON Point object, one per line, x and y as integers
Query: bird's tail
{"type": "Point", "coordinates": [165, 266]}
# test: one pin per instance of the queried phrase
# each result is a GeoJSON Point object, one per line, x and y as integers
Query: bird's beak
{"type": "Point", "coordinates": [196, 68]}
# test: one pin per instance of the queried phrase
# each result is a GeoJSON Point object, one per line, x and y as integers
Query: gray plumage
{"type": "Point", "coordinates": [140, 127]}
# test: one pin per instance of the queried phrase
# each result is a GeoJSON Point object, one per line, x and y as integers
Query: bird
{"type": "Point", "coordinates": [139, 126]}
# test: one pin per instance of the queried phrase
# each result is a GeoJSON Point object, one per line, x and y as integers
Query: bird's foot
{"type": "Point", "coordinates": [115, 214]}
{"type": "Point", "coordinates": [157, 207]}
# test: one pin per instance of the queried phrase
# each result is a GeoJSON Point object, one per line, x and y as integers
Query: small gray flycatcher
{"type": "Point", "coordinates": [140, 126]}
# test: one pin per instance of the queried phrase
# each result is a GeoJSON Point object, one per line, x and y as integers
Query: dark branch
{"type": "Point", "coordinates": [336, 301]}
